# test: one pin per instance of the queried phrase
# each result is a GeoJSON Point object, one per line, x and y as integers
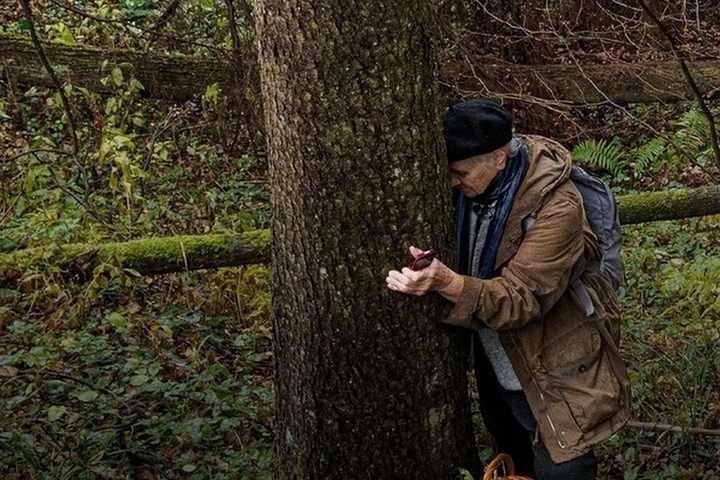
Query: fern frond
{"type": "Point", "coordinates": [647, 154]}
{"type": "Point", "coordinates": [693, 132]}
{"type": "Point", "coordinates": [600, 153]}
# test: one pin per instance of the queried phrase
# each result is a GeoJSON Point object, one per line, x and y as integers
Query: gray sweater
{"type": "Point", "coordinates": [478, 228]}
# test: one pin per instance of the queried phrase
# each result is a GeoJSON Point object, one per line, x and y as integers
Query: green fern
{"type": "Point", "coordinates": [694, 131]}
{"type": "Point", "coordinates": [600, 153]}
{"type": "Point", "coordinates": [648, 155]}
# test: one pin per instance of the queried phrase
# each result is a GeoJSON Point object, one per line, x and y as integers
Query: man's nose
{"type": "Point", "coordinates": [454, 181]}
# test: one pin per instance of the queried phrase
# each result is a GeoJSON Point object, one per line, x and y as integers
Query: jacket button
{"type": "Point", "coordinates": [582, 369]}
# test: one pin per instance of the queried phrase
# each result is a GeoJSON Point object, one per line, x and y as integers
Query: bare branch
{"type": "Point", "coordinates": [665, 427]}
{"type": "Point", "coordinates": [81, 201]}
{"type": "Point", "coordinates": [51, 73]}
{"type": "Point", "coordinates": [679, 55]}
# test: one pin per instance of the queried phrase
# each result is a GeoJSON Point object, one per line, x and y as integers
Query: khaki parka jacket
{"type": "Point", "coordinates": [566, 360]}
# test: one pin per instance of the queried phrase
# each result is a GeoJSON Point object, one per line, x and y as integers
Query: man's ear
{"type": "Point", "coordinates": [501, 159]}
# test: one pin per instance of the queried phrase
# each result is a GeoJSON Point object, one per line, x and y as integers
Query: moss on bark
{"type": "Point", "coordinates": [669, 205]}
{"type": "Point", "coordinates": [145, 256]}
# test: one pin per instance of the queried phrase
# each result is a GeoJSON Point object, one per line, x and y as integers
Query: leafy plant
{"type": "Point", "coordinates": [600, 153]}
{"type": "Point", "coordinates": [135, 9]}
{"type": "Point", "coordinates": [648, 155]}
{"type": "Point", "coordinates": [668, 153]}
{"type": "Point", "coordinates": [151, 386]}
{"type": "Point", "coordinates": [693, 135]}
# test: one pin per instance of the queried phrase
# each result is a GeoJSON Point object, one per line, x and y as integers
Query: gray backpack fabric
{"type": "Point", "coordinates": [604, 219]}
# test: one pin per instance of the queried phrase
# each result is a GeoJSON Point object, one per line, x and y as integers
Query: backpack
{"type": "Point", "coordinates": [604, 219]}
{"type": "Point", "coordinates": [602, 215]}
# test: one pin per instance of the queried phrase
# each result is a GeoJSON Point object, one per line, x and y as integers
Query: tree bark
{"type": "Point", "coordinates": [368, 382]}
{"type": "Point", "coordinates": [182, 77]}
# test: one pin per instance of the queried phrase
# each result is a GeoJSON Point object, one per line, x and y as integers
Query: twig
{"type": "Point", "coordinates": [164, 20]}
{"type": "Point", "coordinates": [9, 209]}
{"type": "Point", "coordinates": [232, 20]}
{"type": "Point", "coordinates": [55, 183]}
{"type": "Point", "coordinates": [688, 77]}
{"type": "Point", "coordinates": [665, 427]}
{"type": "Point", "coordinates": [38, 150]}
{"type": "Point", "coordinates": [43, 59]}
{"type": "Point", "coordinates": [172, 117]}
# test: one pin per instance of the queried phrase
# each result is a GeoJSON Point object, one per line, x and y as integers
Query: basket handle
{"type": "Point", "coordinates": [497, 462]}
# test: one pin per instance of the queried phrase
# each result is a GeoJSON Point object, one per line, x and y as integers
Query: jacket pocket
{"type": "Point", "coordinates": [586, 380]}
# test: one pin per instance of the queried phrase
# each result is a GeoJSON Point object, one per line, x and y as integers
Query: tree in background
{"type": "Point", "coordinates": [368, 383]}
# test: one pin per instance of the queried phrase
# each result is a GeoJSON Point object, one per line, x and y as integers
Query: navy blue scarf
{"type": "Point", "coordinates": [503, 189]}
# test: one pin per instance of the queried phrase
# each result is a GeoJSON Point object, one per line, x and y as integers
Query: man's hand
{"type": "Point", "coordinates": [437, 277]}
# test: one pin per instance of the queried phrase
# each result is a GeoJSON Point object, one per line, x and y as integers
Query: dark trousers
{"type": "Point", "coordinates": [508, 418]}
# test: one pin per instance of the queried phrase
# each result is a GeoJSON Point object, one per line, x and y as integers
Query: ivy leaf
{"type": "Point", "coordinates": [86, 396]}
{"type": "Point", "coordinates": [137, 380]}
{"type": "Point", "coordinates": [22, 25]}
{"type": "Point", "coordinates": [67, 37]}
{"type": "Point", "coordinates": [117, 76]}
{"type": "Point", "coordinates": [55, 412]}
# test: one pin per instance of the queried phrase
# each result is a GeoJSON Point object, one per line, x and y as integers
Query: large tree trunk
{"type": "Point", "coordinates": [369, 384]}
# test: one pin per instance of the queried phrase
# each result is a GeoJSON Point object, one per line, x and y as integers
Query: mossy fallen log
{"type": "Point", "coordinates": [669, 205]}
{"type": "Point", "coordinates": [145, 256]}
{"type": "Point", "coordinates": [151, 256]}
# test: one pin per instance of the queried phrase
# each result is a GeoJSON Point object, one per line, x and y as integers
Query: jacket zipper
{"type": "Point", "coordinates": [558, 438]}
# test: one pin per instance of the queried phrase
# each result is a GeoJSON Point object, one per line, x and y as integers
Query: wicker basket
{"type": "Point", "coordinates": [491, 470]}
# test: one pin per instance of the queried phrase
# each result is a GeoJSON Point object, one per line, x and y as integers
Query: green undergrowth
{"type": "Point", "coordinates": [671, 342]}
{"type": "Point", "coordinates": [170, 376]}
{"type": "Point", "coordinates": [122, 376]}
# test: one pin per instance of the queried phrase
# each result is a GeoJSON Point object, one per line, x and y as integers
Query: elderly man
{"type": "Point", "coordinates": [550, 380]}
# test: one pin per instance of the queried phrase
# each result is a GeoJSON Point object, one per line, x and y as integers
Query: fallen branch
{"type": "Point", "coordinates": [27, 11]}
{"type": "Point", "coordinates": [146, 256]}
{"type": "Point", "coordinates": [150, 256]}
{"type": "Point", "coordinates": [182, 77]}
{"type": "Point", "coordinates": [669, 205]}
{"type": "Point", "coordinates": [664, 427]}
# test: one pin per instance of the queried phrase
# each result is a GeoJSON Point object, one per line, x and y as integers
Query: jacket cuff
{"type": "Point", "coordinates": [463, 313]}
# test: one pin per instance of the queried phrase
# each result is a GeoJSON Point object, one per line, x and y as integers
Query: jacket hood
{"type": "Point", "coordinates": [550, 165]}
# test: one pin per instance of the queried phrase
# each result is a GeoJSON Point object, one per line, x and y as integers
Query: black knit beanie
{"type": "Point", "coordinates": [475, 127]}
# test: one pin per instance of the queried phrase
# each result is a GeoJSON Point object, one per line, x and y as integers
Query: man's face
{"type": "Point", "coordinates": [473, 175]}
